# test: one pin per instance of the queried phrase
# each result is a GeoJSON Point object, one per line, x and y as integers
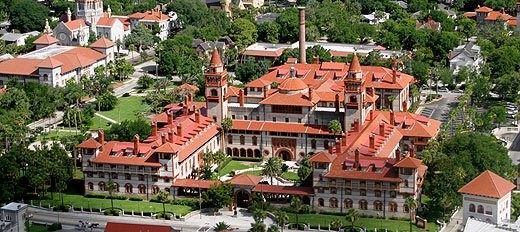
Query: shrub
{"type": "Point", "coordinates": [117, 197]}
{"type": "Point", "coordinates": [187, 202]}
{"type": "Point", "coordinates": [55, 227]}
{"type": "Point", "coordinates": [135, 198]}
{"type": "Point", "coordinates": [247, 159]}
{"type": "Point", "coordinates": [96, 195]}
{"type": "Point", "coordinates": [114, 212]}
{"type": "Point", "coordinates": [126, 95]}
{"type": "Point", "coordinates": [285, 167]}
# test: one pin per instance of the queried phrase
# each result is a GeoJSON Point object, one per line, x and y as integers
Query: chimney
{"type": "Point", "coordinates": [356, 125]}
{"type": "Point", "coordinates": [136, 145]}
{"type": "Point", "coordinates": [356, 161]}
{"type": "Point", "coordinates": [154, 129]}
{"type": "Point", "coordinates": [170, 135]}
{"type": "Point", "coordinates": [190, 97]}
{"type": "Point", "coordinates": [197, 116]}
{"type": "Point", "coordinates": [101, 136]}
{"type": "Point", "coordinates": [292, 72]}
{"type": "Point", "coordinates": [411, 152]}
{"type": "Point", "coordinates": [331, 149]}
{"type": "Point", "coordinates": [371, 115]}
{"type": "Point", "coordinates": [394, 71]}
{"type": "Point", "coordinates": [382, 129]}
{"type": "Point", "coordinates": [69, 15]}
{"type": "Point", "coordinates": [179, 130]}
{"type": "Point", "coordinates": [302, 35]}
{"type": "Point", "coordinates": [185, 109]}
{"type": "Point", "coordinates": [310, 93]}
{"type": "Point", "coordinates": [336, 102]}
{"type": "Point", "coordinates": [163, 138]}
{"type": "Point", "coordinates": [372, 141]}
{"type": "Point", "coordinates": [316, 59]}
{"type": "Point", "coordinates": [343, 139]}
{"type": "Point", "coordinates": [397, 155]}
{"type": "Point", "coordinates": [186, 100]}
{"type": "Point", "coordinates": [265, 92]}
{"type": "Point", "coordinates": [241, 99]}
{"type": "Point", "coordinates": [169, 114]}
{"type": "Point", "coordinates": [193, 108]}
{"type": "Point", "coordinates": [392, 118]}
{"type": "Point", "coordinates": [338, 146]}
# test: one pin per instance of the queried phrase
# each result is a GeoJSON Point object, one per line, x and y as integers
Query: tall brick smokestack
{"type": "Point", "coordinates": [302, 35]}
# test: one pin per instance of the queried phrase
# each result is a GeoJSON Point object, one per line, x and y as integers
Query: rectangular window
{"type": "Point", "coordinates": [286, 109]}
{"type": "Point", "coordinates": [348, 191]}
{"type": "Point", "coordinates": [154, 178]}
{"type": "Point", "coordinates": [233, 116]}
{"type": "Point", "coordinates": [333, 191]}
{"type": "Point", "coordinates": [166, 180]}
{"type": "Point", "coordinates": [257, 118]}
{"type": "Point", "coordinates": [112, 166]}
{"type": "Point", "coordinates": [362, 192]}
{"type": "Point", "coordinates": [128, 176]}
{"type": "Point", "coordinates": [101, 175]}
{"type": "Point", "coordinates": [392, 194]}
{"type": "Point", "coordinates": [274, 119]}
{"type": "Point", "coordinates": [141, 177]}
{"type": "Point", "coordinates": [299, 120]}
{"type": "Point", "coordinates": [114, 175]}
{"type": "Point", "coordinates": [245, 117]}
{"type": "Point", "coordinates": [286, 119]}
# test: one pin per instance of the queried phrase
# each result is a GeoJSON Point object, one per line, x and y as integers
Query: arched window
{"type": "Point", "coordinates": [117, 187]}
{"type": "Point", "coordinates": [321, 202]}
{"type": "Point", "coordinates": [45, 77]}
{"type": "Point", "coordinates": [167, 190]}
{"type": "Point", "coordinates": [142, 189]}
{"type": "Point", "coordinates": [348, 203]}
{"type": "Point", "coordinates": [313, 144]}
{"type": "Point", "coordinates": [378, 206]}
{"type": "Point", "coordinates": [392, 207]}
{"type": "Point", "coordinates": [165, 166]}
{"type": "Point", "coordinates": [363, 204]}
{"type": "Point", "coordinates": [90, 186]}
{"type": "Point", "coordinates": [242, 140]}
{"type": "Point", "coordinates": [255, 141]}
{"type": "Point", "coordinates": [480, 209]}
{"type": "Point", "coordinates": [214, 93]}
{"type": "Point", "coordinates": [326, 144]}
{"type": "Point", "coordinates": [333, 202]}
{"type": "Point", "coordinates": [101, 186]}
{"type": "Point", "coordinates": [230, 139]}
{"type": "Point", "coordinates": [405, 183]}
{"type": "Point", "coordinates": [472, 208]}
{"type": "Point", "coordinates": [128, 188]}
{"type": "Point", "coordinates": [155, 189]}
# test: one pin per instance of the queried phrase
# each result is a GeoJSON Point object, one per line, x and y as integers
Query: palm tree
{"type": "Point", "coordinates": [111, 187]}
{"type": "Point", "coordinates": [296, 206]}
{"type": "Point", "coordinates": [273, 228]}
{"type": "Point", "coordinates": [352, 216]}
{"type": "Point", "coordinates": [163, 197]}
{"type": "Point", "coordinates": [131, 49]}
{"type": "Point", "coordinates": [281, 218]}
{"type": "Point", "coordinates": [226, 124]}
{"type": "Point", "coordinates": [221, 226]}
{"type": "Point", "coordinates": [336, 223]}
{"type": "Point", "coordinates": [411, 203]}
{"type": "Point", "coordinates": [272, 168]}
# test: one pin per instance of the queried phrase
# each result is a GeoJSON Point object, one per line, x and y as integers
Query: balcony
{"type": "Point", "coordinates": [361, 186]}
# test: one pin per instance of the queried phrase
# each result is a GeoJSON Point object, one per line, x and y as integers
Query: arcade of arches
{"type": "Point", "coordinates": [242, 152]}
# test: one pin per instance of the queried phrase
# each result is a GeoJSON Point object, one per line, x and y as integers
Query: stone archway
{"type": "Point", "coordinates": [242, 198]}
{"type": "Point", "coordinates": [285, 154]}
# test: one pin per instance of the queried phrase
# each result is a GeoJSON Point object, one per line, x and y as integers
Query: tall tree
{"type": "Point", "coordinates": [111, 188]}
{"type": "Point", "coordinates": [28, 15]}
{"type": "Point", "coordinates": [272, 168]}
{"type": "Point", "coordinates": [243, 32]}
{"type": "Point", "coordinates": [141, 37]}
{"type": "Point", "coordinates": [218, 196]}
{"type": "Point", "coordinates": [163, 197]}
{"type": "Point", "coordinates": [411, 203]}
{"type": "Point", "coordinates": [251, 70]}
{"type": "Point", "coordinates": [126, 130]}
{"type": "Point", "coordinates": [352, 216]}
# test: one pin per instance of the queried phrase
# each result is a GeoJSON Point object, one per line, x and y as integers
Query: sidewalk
{"type": "Point", "coordinates": [455, 223]}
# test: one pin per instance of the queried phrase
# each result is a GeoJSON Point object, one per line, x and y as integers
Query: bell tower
{"type": "Point", "coordinates": [354, 96]}
{"type": "Point", "coordinates": [216, 88]}
{"type": "Point", "coordinates": [89, 10]}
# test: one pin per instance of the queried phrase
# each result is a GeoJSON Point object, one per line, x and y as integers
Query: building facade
{"type": "Point", "coordinates": [466, 55]}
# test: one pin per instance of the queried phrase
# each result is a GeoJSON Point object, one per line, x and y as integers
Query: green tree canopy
{"type": "Point", "coordinates": [28, 15]}
{"type": "Point", "coordinates": [218, 196]}
{"type": "Point", "coordinates": [128, 128]}
{"type": "Point", "coordinates": [251, 70]}
{"type": "Point", "coordinates": [243, 32]}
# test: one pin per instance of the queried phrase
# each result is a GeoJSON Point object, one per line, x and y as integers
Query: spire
{"type": "Point", "coordinates": [69, 15]}
{"type": "Point", "coordinates": [109, 12]}
{"type": "Point", "coordinates": [354, 65]}
{"type": "Point", "coordinates": [47, 29]}
{"type": "Point", "coordinates": [215, 59]}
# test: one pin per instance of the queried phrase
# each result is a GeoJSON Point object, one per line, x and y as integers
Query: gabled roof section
{"type": "Point", "coordinates": [75, 24]}
{"type": "Point", "coordinates": [298, 99]}
{"type": "Point", "coordinates": [190, 88]}
{"type": "Point", "coordinates": [245, 179]}
{"type": "Point", "coordinates": [483, 9]}
{"type": "Point", "coordinates": [50, 62]}
{"type": "Point", "coordinates": [408, 162]}
{"type": "Point", "coordinates": [167, 148]}
{"type": "Point", "coordinates": [322, 157]}
{"type": "Point", "coordinates": [488, 184]}
{"type": "Point", "coordinates": [46, 39]}
{"type": "Point", "coordinates": [90, 143]}
{"type": "Point", "coordinates": [102, 43]}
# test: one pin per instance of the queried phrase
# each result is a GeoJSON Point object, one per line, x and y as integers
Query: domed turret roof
{"type": "Point", "coordinates": [292, 84]}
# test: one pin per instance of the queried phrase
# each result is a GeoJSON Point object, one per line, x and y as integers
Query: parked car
{"type": "Point", "coordinates": [443, 90]}
{"type": "Point", "coordinates": [457, 91]}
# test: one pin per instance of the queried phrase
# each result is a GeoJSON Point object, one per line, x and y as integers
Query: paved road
{"type": "Point", "coordinates": [46, 121]}
{"type": "Point", "coordinates": [242, 222]}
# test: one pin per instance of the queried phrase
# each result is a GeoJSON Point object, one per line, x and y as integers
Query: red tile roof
{"type": "Point", "coordinates": [46, 39]}
{"type": "Point", "coordinates": [20, 67]}
{"type": "Point", "coordinates": [470, 14]}
{"type": "Point", "coordinates": [203, 184]}
{"type": "Point", "coordinates": [150, 15]}
{"type": "Point", "coordinates": [292, 84]}
{"type": "Point", "coordinates": [488, 184]}
{"type": "Point", "coordinates": [215, 59]}
{"type": "Point", "coordinates": [245, 179]}
{"type": "Point", "coordinates": [258, 83]}
{"type": "Point", "coordinates": [354, 65]}
{"type": "Point", "coordinates": [322, 157]}
{"type": "Point", "coordinates": [387, 173]}
{"type": "Point", "coordinates": [484, 9]}
{"type": "Point", "coordinates": [75, 24]}
{"type": "Point", "coordinates": [114, 153]}
{"type": "Point", "coordinates": [287, 190]}
{"type": "Point", "coordinates": [190, 88]}
{"type": "Point", "coordinates": [127, 227]}
{"type": "Point", "coordinates": [102, 43]}
{"type": "Point", "coordinates": [408, 162]}
{"type": "Point", "coordinates": [298, 99]}
{"type": "Point", "coordinates": [90, 143]}
{"type": "Point", "coordinates": [107, 21]}
{"type": "Point", "coordinates": [280, 127]}
{"type": "Point", "coordinates": [50, 62]}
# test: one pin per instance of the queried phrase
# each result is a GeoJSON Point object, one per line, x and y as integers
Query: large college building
{"type": "Point", "coordinates": [370, 165]}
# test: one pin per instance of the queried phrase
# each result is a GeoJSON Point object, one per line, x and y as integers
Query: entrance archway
{"type": "Point", "coordinates": [285, 155]}
{"type": "Point", "coordinates": [242, 198]}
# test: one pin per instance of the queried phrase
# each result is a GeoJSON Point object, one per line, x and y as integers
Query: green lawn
{"type": "Point", "coordinates": [98, 122]}
{"type": "Point", "coordinates": [291, 176]}
{"type": "Point", "coordinates": [127, 109]}
{"type": "Point", "coordinates": [368, 223]}
{"type": "Point", "coordinates": [79, 200]}
{"type": "Point", "coordinates": [54, 135]}
{"type": "Point", "coordinates": [234, 165]}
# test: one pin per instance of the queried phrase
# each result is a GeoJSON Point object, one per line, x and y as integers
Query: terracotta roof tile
{"type": "Point", "coordinates": [203, 184]}
{"type": "Point", "coordinates": [75, 24]}
{"type": "Point", "coordinates": [298, 99]}
{"type": "Point", "coordinates": [189, 87]}
{"type": "Point", "coordinates": [484, 9]}
{"type": "Point", "coordinates": [245, 179]}
{"type": "Point", "coordinates": [322, 157]}
{"type": "Point", "coordinates": [215, 59]}
{"type": "Point", "coordinates": [354, 65]}
{"type": "Point", "coordinates": [106, 21]}
{"type": "Point", "coordinates": [50, 62]}
{"type": "Point", "coordinates": [150, 15]}
{"type": "Point", "coordinates": [90, 143]}
{"type": "Point", "coordinates": [102, 43]}
{"type": "Point", "coordinates": [276, 53]}
{"type": "Point", "coordinates": [292, 84]}
{"type": "Point", "coordinates": [488, 184]}
{"type": "Point", "coordinates": [288, 190]}
{"type": "Point", "coordinates": [46, 39]}
{"type": "Point", "coordinates": [280, 127]}
{"type": "Point", "coordinates": [408, 162]}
